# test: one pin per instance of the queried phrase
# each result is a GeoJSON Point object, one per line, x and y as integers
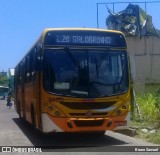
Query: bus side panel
{"type": "Point", "coordinates": [28, 90]}
{"type": "Point", "coordinates": [36, 101]}
{"type": "Point", "coordinates": [32, 102]}
{"type": "Point", "coordinates": [20, 101]}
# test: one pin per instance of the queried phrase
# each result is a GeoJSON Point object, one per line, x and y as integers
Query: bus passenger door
{"type": "Point", "coordinates": [36, 107]}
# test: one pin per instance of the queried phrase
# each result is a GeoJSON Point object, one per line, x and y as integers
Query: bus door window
{"type": "Point", "coordinates": [49, 76]}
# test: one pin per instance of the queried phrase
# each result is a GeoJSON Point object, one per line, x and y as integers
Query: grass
{"type": "Point", "coordinates": [149, 105]}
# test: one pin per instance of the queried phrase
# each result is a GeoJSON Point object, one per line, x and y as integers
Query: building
{"type": "Point", "coordinates": [143, 42]}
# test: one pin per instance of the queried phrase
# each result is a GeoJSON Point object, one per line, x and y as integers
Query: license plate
{"type": "Point", "coordinates": [120, 123]}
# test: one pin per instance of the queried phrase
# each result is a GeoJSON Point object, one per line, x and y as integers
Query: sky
{"type": "Point", "coordinates": [22, 21]}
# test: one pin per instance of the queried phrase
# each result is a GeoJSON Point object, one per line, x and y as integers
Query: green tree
{"type": "Point", "coordinates": [4, 80]}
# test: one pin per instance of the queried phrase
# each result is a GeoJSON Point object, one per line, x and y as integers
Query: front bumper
{"type": "Point", "coordinates": [59, 124]}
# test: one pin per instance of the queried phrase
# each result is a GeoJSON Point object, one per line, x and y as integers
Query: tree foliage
{"type": "Point", "coordinates": [4, 80]}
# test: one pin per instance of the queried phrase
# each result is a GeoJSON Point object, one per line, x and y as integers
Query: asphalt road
{"type": "Point", "coordinates": [16, 132]}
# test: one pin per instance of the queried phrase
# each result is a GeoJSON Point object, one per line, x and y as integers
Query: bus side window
{"type": "Point", "coordinates": [38, 60]}
{"type": "Point", "coordinates": [16, 75]}
{"type": "Point", "coordinates": [30, 64]}
{"type": "Point", "coordinates": [33, 64]}
{"type": "Point", "coordinates": [21, 73]}
{"type": "Point", "coordinates": [27, 70]}
{"type": "Point", "coordinates": [24, 71]}
{"type": "Point", "coordinates": [17, 81]}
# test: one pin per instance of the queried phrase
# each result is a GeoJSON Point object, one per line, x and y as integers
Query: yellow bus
{"type": "Point", "coordinates": [75, 80]}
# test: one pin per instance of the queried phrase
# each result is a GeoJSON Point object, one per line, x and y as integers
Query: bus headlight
{"type": "Point", "coordinates": [124, 107]}
{"type": "Point", "coordinates": [121, 110]}
{"type": "Point", "coordinates": [57, 113]}
{"type": "Point", "coordinates": [118, 112]}
{"type": "Point", "coordinates": [50, 108]}
{"type": "Point", "coordinates": [54, 111]}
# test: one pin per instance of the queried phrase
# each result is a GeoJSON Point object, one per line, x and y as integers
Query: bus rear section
{"type": "Point", "coordinates": [81, 83]}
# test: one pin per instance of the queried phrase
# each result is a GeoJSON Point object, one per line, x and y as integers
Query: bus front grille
{"type": "Point", "coordinates": [88, 105]}
{"type": "Point", "coordinates": [88, 123]}
{"type": "Point", "coordinates": [93, 114]}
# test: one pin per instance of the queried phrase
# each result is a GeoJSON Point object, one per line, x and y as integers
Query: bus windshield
{"type": "Point", "coordinates": [85, 72]}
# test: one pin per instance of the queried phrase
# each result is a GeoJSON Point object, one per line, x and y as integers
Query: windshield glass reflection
{"type": "Point", "coordinates": [86, 73]}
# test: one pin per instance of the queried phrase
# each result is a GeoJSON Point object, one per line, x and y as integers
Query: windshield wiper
{"type": "Point", "coordinates": [102, 58]}
{"type": "Point", "coordinates": [72, 57]}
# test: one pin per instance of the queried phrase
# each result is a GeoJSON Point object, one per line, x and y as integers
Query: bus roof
{"type": "Point", "coordinates": [80, 29]}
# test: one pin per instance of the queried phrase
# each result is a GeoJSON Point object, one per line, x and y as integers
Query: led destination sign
{"type": "Point", "coordinates": [85, 38]}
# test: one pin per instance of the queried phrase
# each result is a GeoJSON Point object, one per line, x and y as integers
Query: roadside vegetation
{"type": "Point", "coordinates": [146, 121]}
{"type": "Point", "coordinates": [4, 80]}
